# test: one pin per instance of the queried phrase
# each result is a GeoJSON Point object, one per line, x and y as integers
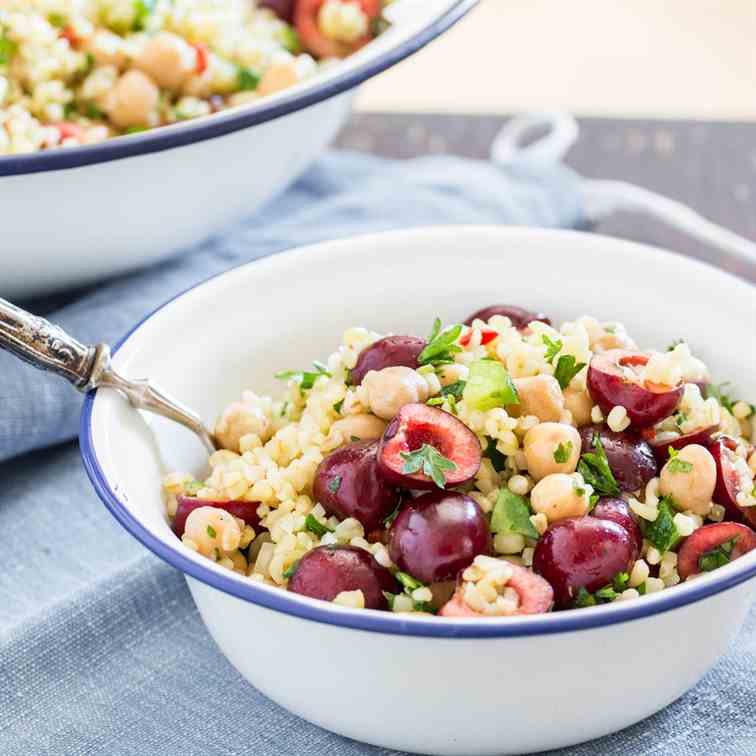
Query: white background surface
{"type": "Point", "coordinates": [646, 58]}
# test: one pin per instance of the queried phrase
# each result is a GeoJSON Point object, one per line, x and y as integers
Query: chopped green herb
{"type": "Point", "coordinates": [135, 129]}
{"type": "Point", "coordinates": [677, 465]}
{"type": "Point", "coordinates": [58, 20]}
{"type": "Point", "coordinates": [436, 401]}
{"type": "Point", "coordinates": [552, 348]}
{"type": "Point", "coordinates": [291, 569]}
{"type": "Point", "coordinates": [511, 514]}
{"type": "Point", "coordinates": [334, 484]}
{"type": "Point", "coordinates": [192, 488]}
{"type": "Point", "coordinates": [390, 597]}
{"type": "Point", "coordinates": [247, 80]}
{"type": "Point", "coordinates": [584, 598]}
{"type": "Point", "coordinates": [674, 344]}
{"type": "Point", "coordinates": [607, 593]}
{"type": "Point", "coordinates": [662, 532]}
{"type": "Point", "coordinates": [592, 501]}
{"type": "Point", "coordinates": [718, 557]}
{"type": "Point", "coordinates": [567, 368]}
{"type": "Point", "coordinates": [609, 328]}
{"type": "Point", "coordinates": [338, 405]}
{"type": "Point", "coordinates": [284, 407]}
{"type": "Point", "coordinates": [211, 531]}
{"type": "Point", "coordinates": [489, 385]}
{"type": "Point", "coordinates": [717, 391]}
{"type": "Point", "coordinates": [595, 469]}
{"type": "Point", "coordinates": [289, 38]}
{"type": "Point", "coordinates": [441, 345]}
{"type": "Point", "coordinates": [562, 452]}
{"type": "Point", "coordinates": [455, 389]}
{"type": "Point", "coordinates": [304, 378]}
{"type": "Point", "coordinates": [92, 112]}
{"type": "Point", "coordinates": [430, 460]}
{"type": "Point", "coordinates": [7, 48]}
{"type": "Point", "coordinates": [498, 460]}
{"type": "Point", "coordinates": [354, 439]}
{"type": "Point", "coordinates": [579, 490]}
{"type": "Point", "coordinates": [642, 588]}
{"type": "Point", "coordinates": [142, 11]}
{"type": "Point", "coordinates": [679, 418]}
{"type": "Point", "coordinates": [409, 582]}
{"type": "Point", "coordinates": [621, 580]}
{"type": "Point", "coordinates": [315, 526]}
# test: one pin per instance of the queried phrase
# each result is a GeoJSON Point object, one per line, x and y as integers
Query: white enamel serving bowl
{"type": "Point", "coordinates": [442, 686]}
{"type": "Point", "coordinates": [75, 215]}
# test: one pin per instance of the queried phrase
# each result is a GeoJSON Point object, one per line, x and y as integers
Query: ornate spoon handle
{"type": "Point", "coordinates": [48, 347]}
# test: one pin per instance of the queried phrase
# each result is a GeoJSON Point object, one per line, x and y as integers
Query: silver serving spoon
{"type": "Point", "coordinates": [48, 347]}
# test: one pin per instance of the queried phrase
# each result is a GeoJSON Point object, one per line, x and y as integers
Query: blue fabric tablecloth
{"type": "Point", "coordinates": [101, 649]}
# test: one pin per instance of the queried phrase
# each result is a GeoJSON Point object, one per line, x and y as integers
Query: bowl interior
{"type": "Point", "coordinates": [237, 330]}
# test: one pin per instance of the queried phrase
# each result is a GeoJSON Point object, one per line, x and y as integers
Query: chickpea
{"type": "Point", "coordinates": [558, 496]}
{"type": "Point", "coordinates": [580, 405]}
{"type": "Point", "coordinates": [238, 420]}
{"type": "Point", "coordinates": [388, 390]}
{"type": "Point", "coordinates": [106, 48]}
{"type": "Point", "coordinates": [133, 100]}
{"type": "Point", "coordinates": [547, 441]}
{"type": "Point", "coordinates": [213, 531]}
{"type": "Point", "coordinates": [277, 76]}
{"type": "Point", "coordinates": [362, 427]}
{"type": "Point", "coordinates": [613, 337]}
{"type": "Point", "coordinates": [540, 395]}
{"type": "Point", "coordinates": [689, 478]}
{"type": "Point", "coordinates": [168, 59]}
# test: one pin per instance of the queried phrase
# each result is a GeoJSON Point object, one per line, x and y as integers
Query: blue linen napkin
{"type": "Point", "coordinates": [101, 648]}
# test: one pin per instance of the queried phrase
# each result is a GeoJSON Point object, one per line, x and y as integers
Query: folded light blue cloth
{"type": "Point", "coordinates": [101, 649]}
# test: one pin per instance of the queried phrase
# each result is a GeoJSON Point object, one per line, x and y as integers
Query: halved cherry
{"type": "Point", "coordinates": [661, 448]}
{"type": "Point", "coordinates": [519, 316]}
{"type": "Point", "coordinates": [728, 486]}
{"type": "Point", "coordinates": [417, 426]}
{"type": "Point", "coordinates": [617, 510]}
{"type": "Point", "coordinates": [487, 335]}
{"type": "Point", "coordinates": [315, 42]}
{"type": "Point", "coordinates": [390, 351]}
{"type": "Point", "coordinates": [244, 510]}
{"type": "Point", "coordinates": [708, 538]}
{"type": "Point", "coordinates": [614, 380]}
{"type": "Point", "coordinates": [535, 594]}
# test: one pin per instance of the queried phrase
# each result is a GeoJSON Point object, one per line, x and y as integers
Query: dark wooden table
{"type": "Point", "coordinates": [710, 166]}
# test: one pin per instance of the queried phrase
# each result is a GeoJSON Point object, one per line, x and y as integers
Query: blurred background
{"type": "Point", "coordinates": [644, 58]}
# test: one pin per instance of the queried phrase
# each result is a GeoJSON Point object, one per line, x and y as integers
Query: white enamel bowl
{"type": "Point", "coordinates": [73, 216]}
{"type": "Point", "coordinates": [429, 685]}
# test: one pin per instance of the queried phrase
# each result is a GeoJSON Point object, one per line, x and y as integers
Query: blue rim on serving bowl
{"type": "Point", "coordinates": [373, 621]}
{"type": "Point", "coordinates": [220, 124]}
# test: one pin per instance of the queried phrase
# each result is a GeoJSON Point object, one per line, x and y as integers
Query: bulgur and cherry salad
{"type": "Point", "coordinates": [500, 467]}
{"type": "Point", "coordinates": [76, 72]}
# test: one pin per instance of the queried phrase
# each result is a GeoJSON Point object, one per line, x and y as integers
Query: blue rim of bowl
{"type": "Point", "coordinates": [220, 124]}
{"type": "Point", "coordinates": [373, 621]}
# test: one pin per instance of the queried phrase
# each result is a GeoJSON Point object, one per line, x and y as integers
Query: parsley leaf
{"type": "Point", "coordinates": [676, 465]}
{"type": "Point", "coordinates": [247, 80]}
{"type": "Point", "coordinates": [567, 368]}
{"type": "Point", "coordinates": [430, 460]}
{"type": "Point", "coordinates": [584, 598]}
{"type": "Point", "coordinates": [621, 580]}
{"type": "Point", "coordinates": [338, 405]}
{"type": "Point", "coordinates": [334, 484]}
{"type": "Point", "coordinates": [674, 344]}
{"type": "Point", "coordinates": [595, 469]}
{"type": "Point", "coordinates": [718, 392]}
{"type": "Point", "coordinates": [388, 520]}
{"type": "Point", "coordinates": [498, 460]}
{"type": "Point", "coordinates": [304, 378]}
{"type": "Point", "coordinates": [7, 48]}
{"type": "Point", "coordinates": [717, 557]}
{"type": "Point", "coordinates": [454, 389]}
{"type": "Point", "coordinates": [192, 488]}
{"type": "Point", "coordinates": [552, 348]}
{"type": "Point", "coordinates": [562, 452]}
{"type": "Point", "coordinates": [441, 345]}
{"type": "Point", "coordinates": [662, 532]}
{"type": "Point", "coordinates": [291, 569]}
{"type": "Point", "coordinates": [211, 531]}
{"type": "Point", "coordinates": [409, 584]}
{"type": "Point", "coordinates": [142, 11]}
{"type": "Point", "coordinates": [315, 526]}
{"type": "Point", "coordinates": [511, 514]}
{"type": "Point", "coordinates": [607, 593]}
